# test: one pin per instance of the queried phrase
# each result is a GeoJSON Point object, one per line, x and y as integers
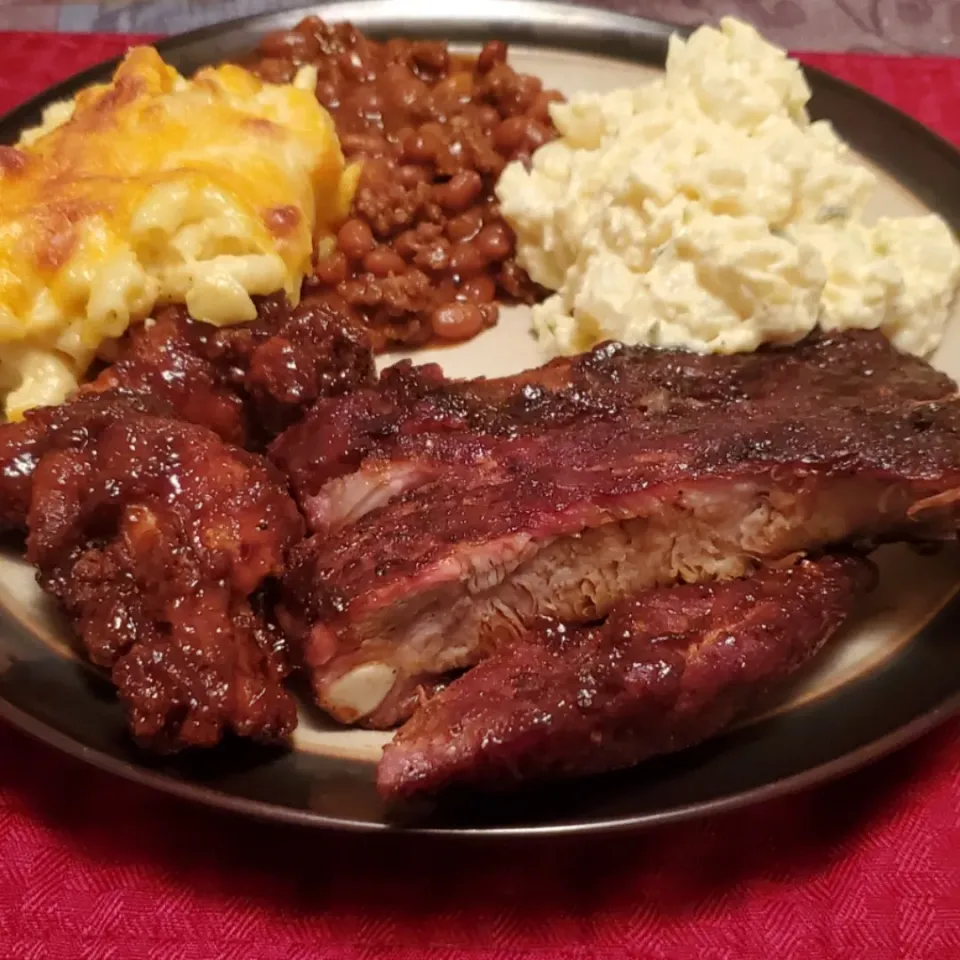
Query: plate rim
{"type": "Point", "coordinates": [213, 798]}
{"type": "Point", "coordinates": [564, 25]}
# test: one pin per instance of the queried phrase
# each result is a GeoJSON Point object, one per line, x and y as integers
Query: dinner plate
{"type": "Point", "coordinates": [894, 673]}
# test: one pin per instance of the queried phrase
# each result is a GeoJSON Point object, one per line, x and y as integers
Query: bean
{"type": "Point", "coordinates": [355, 239]}
{"type": "Point", "coordinates": [397, 50]}
{"type": "Point", "coordinates": [409, 91]}
{"type": "Point", "coordinates": [310, 26]}
{"type": "Point", "coordinates": [290, 44]}
{"type": "Point", "coordinates": [514, 281]}
{"type": "Point", "coordinates": [384, 262]}
{"type": "Point", "coordinates": [410, 242]}
{"type": "Point", "coordinates": [494, 242]}
{"type": "Point", "coordinates": [453, 159]}
{"type": "Point", "coordinates": [369, 144]}
{"type": "Point", "coordinates": [510, 135]}
{"type": "Point", "coordinates": [430, 57]}
{"type": "Point", "coordinates": [403, 87]}
{"type": "Point", "coordinates": [445, 292]}
{"type": "Point", "coordinates": [479, 289]}
{"type": "Point", "coordinates": [526, 89]}
{"type": "Point", "coordinates": [353, 66]}
{"type": "Point", "coordinates": [276, 70]}
{"type": "Point", "coordinates": [451, 92]}
{"type": "Point", "coordinates": [328, 93]}
{"type": "Point", "coordinates": [377, 174]}
{"type": "Point", "coordinates": [466, 226]}
{"type": "Point", "coordinates": [493, 52]}
{"type": "Point", "coordinates": [433, 256]}
{"type": "Point", "coordinates": [459, 192]}
{"type": "Point", "coordinates": [537, 135]}
{"type": "Point", "coordinates": [409, 175]}
{"type": "Point", "coordinates": [407, 244]}
{"type": "Point", "coordinates": [466, 260]}
{"type": "Point", "coordinates": [425, 145]}
{"type": "Point", "coordinates": [405, 139]}
{"type": "Point", "coordinates": [333, 269]}
{"type": "Point", "coordinates": [457, 321]}
{"type": "Point", "coordinates": [364, 101]}
{"type": "Point", "coordinates": [488, 117]}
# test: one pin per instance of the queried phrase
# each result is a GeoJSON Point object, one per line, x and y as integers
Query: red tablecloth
{"type": "Point", "coordinates": [868, 867]}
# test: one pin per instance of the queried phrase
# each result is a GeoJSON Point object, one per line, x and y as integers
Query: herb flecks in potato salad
{"type": "Point", "coordinates": [707, 211]}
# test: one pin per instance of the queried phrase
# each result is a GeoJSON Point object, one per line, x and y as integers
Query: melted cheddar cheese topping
{"type": "Point", "coordinates": [156, 189]}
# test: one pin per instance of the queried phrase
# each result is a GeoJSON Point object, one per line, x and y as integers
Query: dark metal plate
{"type": "Point", "coordinates": [67, 704]}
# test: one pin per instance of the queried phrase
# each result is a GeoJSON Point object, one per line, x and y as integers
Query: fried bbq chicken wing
{"type": "Point", "coordinates": [246, 383]}
{"type": "Point", "coordinates": [667, 669]}
{"type": "Point", "coordinates": [159, 539]}
{"type": "Point", "coordinates": [73, 424]}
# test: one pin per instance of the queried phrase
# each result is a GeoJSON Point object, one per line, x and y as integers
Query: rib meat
{"type": "Point", "coordinates": [667, 669]}
{"type": "Point", "coordinates": [684, 468]}
{"type": "Point", "coordinates": [352, 454]}
{"type": "Point", "coordinates": [159, 540]}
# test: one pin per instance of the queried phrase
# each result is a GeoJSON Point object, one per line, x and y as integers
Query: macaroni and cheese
{"type": "Point", "coordinates": [155, 189]}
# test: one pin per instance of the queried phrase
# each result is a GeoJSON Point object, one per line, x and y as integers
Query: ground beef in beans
{"type": "Point", "coordinates": [425, 252]}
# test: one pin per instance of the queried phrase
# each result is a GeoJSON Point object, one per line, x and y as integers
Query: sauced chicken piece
{"type": "Point", "coordinates": [669, 668]}
{"type": "Point", "coordinates": [166, 359]}
{"type": "Point", "coordinates": [246, 382]}
{"type": "Point", "coordinates": [159, 540]}
{"type": "Point", "coordinates": [73, 424]}
{"type": "Point", "coordinates": [286, 361]}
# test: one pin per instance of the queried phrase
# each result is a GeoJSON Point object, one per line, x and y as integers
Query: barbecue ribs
{"type": "Point", "coordinates": [158, 539]}
{"type": "Point", "coordinates": [483, 506]}
{"type": "Point", "coordinates": [667, 669]}
{"type": "Point", "coordinates": [352, 454]}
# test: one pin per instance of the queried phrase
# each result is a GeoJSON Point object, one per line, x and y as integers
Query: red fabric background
{"type": "Point", "coordinates": [867, 867]}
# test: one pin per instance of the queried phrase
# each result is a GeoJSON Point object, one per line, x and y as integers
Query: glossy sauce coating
{"type": "Point", "coordinates": [158, 539]}
{"type": "Point", "coordinates": [668, 668]}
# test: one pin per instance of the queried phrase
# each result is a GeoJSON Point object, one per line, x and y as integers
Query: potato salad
{"type": "Point", "coordinates": [707, 211]}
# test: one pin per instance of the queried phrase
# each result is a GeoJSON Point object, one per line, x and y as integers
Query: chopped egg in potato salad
{"type": "Point", "coordinates": [706, 211]}
{"type": "Point", "coordinates": [153, 189]}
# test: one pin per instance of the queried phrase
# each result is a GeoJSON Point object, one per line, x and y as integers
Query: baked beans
{"type": "Point", "coordinates": [425, 252]}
